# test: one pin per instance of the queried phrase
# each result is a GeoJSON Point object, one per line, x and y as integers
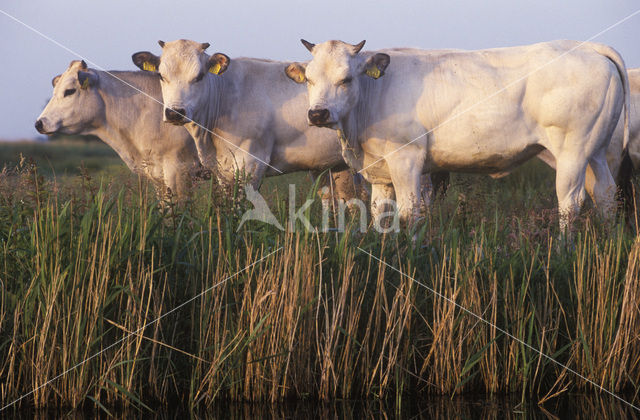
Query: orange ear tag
{"type": "Point", "coordinates": [215, 69]}
{"type": "Point", "coordinates": [146, 66]}
{"type": "Point", "coordinates": [374, 72]}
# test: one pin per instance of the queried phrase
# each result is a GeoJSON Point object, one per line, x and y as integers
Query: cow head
{"type": "Point", "coordinates": [182, 66]}
{"type": "Point", "coordinates": [333, 78]}
{"type": "Point", "coordinates": [75, 103]}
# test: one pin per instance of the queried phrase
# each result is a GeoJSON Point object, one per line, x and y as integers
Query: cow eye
{"type": "Point", "coordinates": [160, 76]}
{"type": "Point", "coordinates": [346, 80]}
{"type": "Point", "coordinates": [310, 81]}
{"type": "Point", "coordinates": [69, 92]}
{"type": "Point", "coordinates": [198, 77]}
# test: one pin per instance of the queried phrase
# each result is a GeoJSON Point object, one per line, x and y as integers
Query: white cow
{"type": "Point", "coordinates": [88, 101]}
{"type": "Point", "coordinates": [634, 127]}
{"type": "Point", "coordinates": [400, 113]}
{"type": "Point", "coordinates": [243, 114]}
{"type": "Point", "coordinates": [615, 151]}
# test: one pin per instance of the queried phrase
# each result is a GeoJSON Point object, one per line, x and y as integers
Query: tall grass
{"type": "Point", "coordinates": [92, 276]}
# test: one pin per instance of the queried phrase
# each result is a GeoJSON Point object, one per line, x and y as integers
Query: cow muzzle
{"type": "Point", "coordinates": [175, 115]}
{"type": "Point", "coordinates": [319, 117]}
{"type": "Point", "coordinates": [42, 126]}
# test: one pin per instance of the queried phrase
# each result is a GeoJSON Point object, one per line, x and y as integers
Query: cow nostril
{"type": "Point", "coordinates": [318, 116]}
{"type": "Point", "coordinates": [174, 114]}
{"type": "Point", "coordinates": [39, 126]}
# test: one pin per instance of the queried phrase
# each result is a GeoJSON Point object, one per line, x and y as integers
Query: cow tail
{"type": "Point", "coordinates": [624, 183]}
{"type": "Point", "coordinates": [623, 177]}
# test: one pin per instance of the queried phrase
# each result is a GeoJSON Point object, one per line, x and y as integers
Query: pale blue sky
{"type": "Point", "coordinates": [107, 33]}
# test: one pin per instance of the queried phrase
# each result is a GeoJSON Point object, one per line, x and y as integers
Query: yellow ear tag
{"type": "Point", "coordinates": [85, 84]}
{"type": "Point", "coordinates": [374, 72]}
{"type": "Point", "coordinates": [301, 78]}
{"type": "Point", "coordinates": [146, 66]}
{"type": "Point", "coordinates": [215, 69]}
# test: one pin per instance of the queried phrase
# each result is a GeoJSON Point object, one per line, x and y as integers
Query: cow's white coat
{"type": "Point", "coordinates": [569, 104]}
{"type": "Point", "coordinates": [257, 116]}
{"type": "Point", "coordinates": [128, 121]}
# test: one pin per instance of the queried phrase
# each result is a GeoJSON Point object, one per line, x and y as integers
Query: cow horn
{"type": "Point", "coordinates": [358, 47]}
{"type": "Point", "coordinates": [308, 45]}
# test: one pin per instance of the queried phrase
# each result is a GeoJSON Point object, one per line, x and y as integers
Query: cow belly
{"type": "Point", "coordinates": [477, 160]}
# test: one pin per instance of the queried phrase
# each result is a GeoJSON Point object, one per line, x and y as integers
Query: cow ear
{"type": "Point", "coordinates": [87, 79]}
{"type": "Point", "coordinates": [146, 61]}
{"type": "Point", "coordinates": [55, 80]}
{"type": "Point", "coordinates": [218, 63]}
{"type": "Point", "coordinates": [375, 65]}
{"type": "Point", "coordinates": [296, 72]}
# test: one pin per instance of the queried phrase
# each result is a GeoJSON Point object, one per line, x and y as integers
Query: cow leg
{"type": "Point", "coordinates": [337, 187]}
{"type": "Point", "coordinates": [183, 182]}
{"type": "Point", "coordinates": [570, 177]}
{"type": "Point", "coordinates": [600, 185]}
{"type": "Point", "coordinates": [171, 186]}
{"type": "Point", "coordinates": [590, 179]}
{"type": "Point", "coordinates": [256, 177]}
{"type": "Point", "coordinates": [381, 194]}
{"type": "Point", "coordinates": [361, 187]}
{"type": "Point", "coordinates": [429, 189]}
{"type": "Point", "coordinates": [589, 183]}
{"type": "Point", "coordinates": [174, 183]}
{"type": "Point", "coordinates": [440, 183]}
{"type": "Point", "coordinates": [345, 184]}
{"type": "Point", "coordinates": [204, 146]}
{"type": "Point", "coordinates": [408, 194]}
{"type": "Point", "coordinates": [324, 186]}
{"type": "Point", "coordinates": [405, 170]}
{"type": "Point", "coordinates": [253, 172]}
{"type": "Point", "coordinates": [343, 187]}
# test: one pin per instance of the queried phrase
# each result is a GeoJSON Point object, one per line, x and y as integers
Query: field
{"type": "Point", "coordinates": [139, 306]}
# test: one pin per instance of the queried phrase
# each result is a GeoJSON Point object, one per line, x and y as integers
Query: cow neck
{"type": "Point", "coordinates": [353, 126]}
{"type": "Point", "coordinates": [208, 113]}
{"type": "Point", "coordinates": [204, 125]}
{"type": "Point", "coordinates": [119, 126]}
{"type": "Point", "coordinates": [353, 156]}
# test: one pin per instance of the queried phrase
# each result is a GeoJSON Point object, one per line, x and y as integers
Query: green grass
{"type": "Point", "coordinates": [63, 157]}
{"type": "Point", "coordinates": [89, 259]}
{"type": "Point", "coordinates": [70, 156]}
